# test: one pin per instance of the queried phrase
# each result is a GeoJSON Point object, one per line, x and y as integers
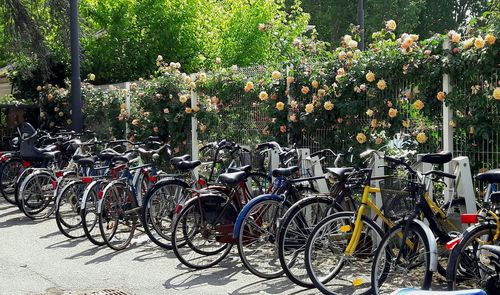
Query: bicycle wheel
{"type": "Point", "coordinates": [159, 210]}
{"type": "Point", "coordinates": [402, 264]}
{"type": "Point", "coordinates": [89, 215]}
{"type": "Point", "coordinates": [257, 238]}
{"type": "Point", "coordinates": [328, 267]}
{"type": "Point", "coordinates": [68, 217]}
{"type": "Point", "coordinates": [9, 172]}
{"type": "Point", "coordinates": [37, 195]}
{"type": "Point", "coordinates": [199, 232]}
{"type": "Point", "coordinates": [465, 269]}
{"type": "Point", "coordinates": [117, 222]}
{"type": "Point", "coordinates": [19, 182]}
{"type": "Point", "coordinates": [295, 229]}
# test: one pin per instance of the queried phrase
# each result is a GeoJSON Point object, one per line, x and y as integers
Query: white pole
{"type": "Point", "coordinates": [194, 132]}
{"type": "Point", "coordinates": [127, 106]}
{"type": "Point", "coordinates": [447, 129]}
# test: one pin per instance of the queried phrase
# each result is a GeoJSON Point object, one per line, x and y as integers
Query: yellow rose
{"type": "Point", "coordinates": [381, 84]}
{"type": "Point", "coordinates": [249, 86]}
{"type": "Point", "coordinates": [276, 75]}
{"type": "Point", "coordinates": [314, 84]}
{"type": "Point", "coordinates": [136, 122]}
{"type": "Point", "coordinates": [471, 130]}
{"type": "Point", "coordinates": [455, 38]}
{"type": "Point", "coordinates": [39, 88]}
{"type": "Point", "coordinates": [183, 98]}
{"type": "Point", "coordinates": [374, 123]}
{"type": "Point", "coordinates": [361, 138]}
{"type": "Point", "coordinates": [347, 38]}
{"type": "Point", "coordinates": [406, 123]}
{"type": "Point", "coordinates": [414, 37]}
{"type": "Point", "coordinates": [490, 39]}
{"type": "Point", "coordinates": [441, 96]}
{"type": "Point", "coordinates": [393, 112]}
{"type": "Point", "coordinates": [263, 95]}
{"type": "Point", "coordinates": [280, 106]}
{"type": "Point", "coordinates": [69, 121]}
{"type": "Point", "coordinates": [202, 127]}
{"type": "Point", "coordinates": [479, 42]}
{"type": "Point", "coordinates": [196, 108]}
{"type": "Point", "coordinates": [496, 93]}
{"type": "Point", "coordinates": [187, 79]}
{"type": "Point", "coordinates": [353, 44]}
{"type": "Point", "coordinates": [294, 104]}
{"type": "Point", "coordinates": [421, 138]}
{"type": "Point", "coordinates": [341, 72]}
{"type": "Point", "coordinates": [342, 55]}
{"type": "Point", "coordinates": [418, 104]}
{"type": "Point", "coordinates": [378, 140]}
{"type": "Point", "coordinates": [370, 76]}
{"type": "Point", "coordinates": [321, 92]}
{"type": "Point", "coordinates": [369, 113]}
{"type": "Point", "coordinates": [290, 80]}
{"type": "Point", "coordinates": [192, 85]}
{"type": "Point", "coordinates": [50, 97]}
{"type": "Point", "coordinates": [468, 43]}
{"type": "Point", "coordinates": [293, 118]}
{"type": "Point", "coordinates": [61, 114]}
{"type": "Point", "coordinates": [305, 90]}
{"type": "Point", "coordinates": [452, 124]}
{"type": "Point", "coordinates": [390, 25]}
{"type": "Point", "coordinates": [309, 108]}
{"type": "Point", "coordinates": [328, 105]}
{"type": "Point", "coordinates": [91, 77]}
{"type": "Point", "coordinates": [188, 110]}
{"type": "Point", "coordinates": [202, 77]}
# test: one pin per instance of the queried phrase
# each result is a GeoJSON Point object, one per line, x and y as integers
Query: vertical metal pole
{"type": "Point", "coordinates": [361, 21]}
{"type": "Point", "coordinates": [76, 91]}
{"type": "Point", "coordinates": [194, 131]}
{"type": "Point", "coordinates": [447, 114]}
{"type": "Point", "coordinates": [127, 107]}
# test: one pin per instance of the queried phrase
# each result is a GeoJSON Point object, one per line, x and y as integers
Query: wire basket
{"type": "Point", "coordinates": [398, 197]}
{"type": "Point", "coordinates": [254, 159]}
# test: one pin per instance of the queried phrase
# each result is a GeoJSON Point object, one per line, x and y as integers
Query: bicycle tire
{"type": "Point", "coordinates": [261, 227]}
{"type": "Point", "coordinates": [116, 202]}
{"type": "Point", "coordinates": [294, 267]}
{"type": "Point", "coordinates": [183, 238]}
{"type": "Point", "coordinates": [8, 176]}
{"type": "Point", "coordinates": [460, 266]}
{"type": "Point", "coordinates": [68, 217]}
{"type": "Point", "coordinates": [383, 252]}
{"type": "Point", "coordinates": [89, 214]}
{"type": "Point", "coordinates": [355, 278]}
{"type": "Point", "coordinates": [159, 210]}
{"type": "Point", "coordinates": [37, 195]}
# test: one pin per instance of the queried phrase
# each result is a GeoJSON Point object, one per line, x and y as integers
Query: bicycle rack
{"type": "Point", "coordinates": [313, 164]}
{"type": "Point", "coordinates": [463, 185]}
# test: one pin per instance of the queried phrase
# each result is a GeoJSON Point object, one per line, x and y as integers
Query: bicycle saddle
{"type": "Point", "coordinates": [493, 249]}
{"type": "Point", "coordinates": [175, 160]}
{"type": "Point", "coordinates": [492, 176]}
{"type": "Point", "coordinates": [285, 172]}
{"type": "Point", "coordinates": [78, 157]}
{"type": "Point", "coordinates": [50, 155]}
{"type": "Point", "coordinates": [108, 154]}
{"type": "Point", "coordinates": [232, 178]}
{"type": "Point", "coordinates": [125, 158]}
{"type": "Point", "coordinates": [437, 158]}
{"type": "Point", "coordinates": [246, 168]}
{"type": "Point", "coordinates": [408, 291]}
{"type": "Point", "coordinates": [187, 165]}
{"type": "Point", "coordinates": [87, 161]}
{"type": "Point", "coordinates": [340, 173]}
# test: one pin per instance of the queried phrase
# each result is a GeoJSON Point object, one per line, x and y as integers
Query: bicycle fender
{"type": "Point", "coordinates": [85, 195]}
{"type": "Point", "coordinates": [104, 191]}
{"type": "Point", "coordinates": [432, 244]}
{"type": "Point", "coordinates": [249, 206]}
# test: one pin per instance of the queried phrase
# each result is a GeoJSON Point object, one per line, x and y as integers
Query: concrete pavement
{"type": "Point", "coordinates": [36, 259]}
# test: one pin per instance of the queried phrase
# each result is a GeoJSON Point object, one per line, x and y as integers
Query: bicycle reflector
{"type": "Point", "coordinates": [153, 178]}
{"type": "Point", "coordinates": [202, 182]}
{"type": "Point", "coordinates": [59, 174]}
{"type": "Point", "coordinates": [451, 244]}
{"type": "Point", "coordinates": [86, 179]}
{"type": "Point", "coordinates": [99, 194]}
{"type": "Point", "coordinates": [54, 184]}
{"type": "Point", "coordinates": [468, 218]}
{"type": "Point", "coordinates": [3, 158]}
{"type": "Point", "coordinates": [178, 208]}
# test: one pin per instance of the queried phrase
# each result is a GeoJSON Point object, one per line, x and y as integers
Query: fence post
{"type": "Point", "coordinates": [194, 131]}
{"type": "Point", "coordinates": [127, 107]}
{"type": "Point", "coordinates": [447, 116]}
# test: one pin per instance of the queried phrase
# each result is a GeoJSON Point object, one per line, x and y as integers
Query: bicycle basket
{"type": "Point", "coordinates": [398, 197]}
{"type": "Point", "coordinates": [256, 160]}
